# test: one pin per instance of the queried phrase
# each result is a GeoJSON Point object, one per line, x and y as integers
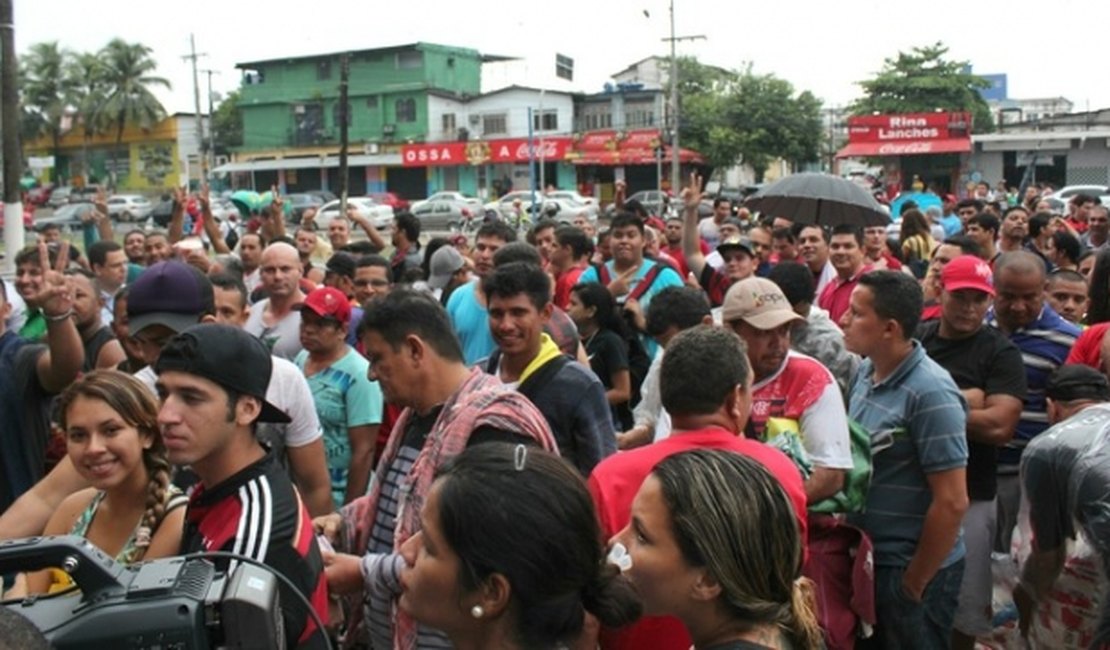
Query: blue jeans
{"type": "Point", "coordinates": [904, 624]}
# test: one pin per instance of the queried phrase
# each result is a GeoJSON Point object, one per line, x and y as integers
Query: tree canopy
{"type": "Point", "coordinates": [732, 117]}
{"type": "Point", "coordinates": [923, 80]}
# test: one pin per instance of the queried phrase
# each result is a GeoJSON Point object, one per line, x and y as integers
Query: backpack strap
{"type": "Point", "coordinates": [646, 281]}
{"type": "Point", "coordinates": [541, 377]}
{"type": "Point", "coordinates": [602, 274]}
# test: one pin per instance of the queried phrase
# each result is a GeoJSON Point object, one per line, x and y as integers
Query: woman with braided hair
{"type": "Point", "coordinates": [132, 511]}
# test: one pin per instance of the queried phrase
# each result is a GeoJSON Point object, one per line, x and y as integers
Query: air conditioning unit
{"type": "Point", "coordinates": [389, 129]}
{"type": "Point", "coordinates": [475, 120]}
{"type": "Point", "coordinates": [298, 109]}
{"type": "Point", "coordinates": [370, 148]}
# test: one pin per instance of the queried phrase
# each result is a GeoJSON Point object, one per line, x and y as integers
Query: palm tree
{"type": "Point", "coordinates": [46, 92]}
{"type": "Point", "coordinates": [86, 72]}
{"type": "Point", "coordinates": [128, 69]}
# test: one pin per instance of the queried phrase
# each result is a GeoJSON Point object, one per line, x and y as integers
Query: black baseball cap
{"type": "Point", "coordinates": [1075, 382]}
{"type": "Point", "coordinates": [227, 356]}
{"type": "Point", "coordinates": [172, 294]}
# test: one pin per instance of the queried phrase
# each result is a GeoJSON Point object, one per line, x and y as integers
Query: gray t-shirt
{"type": "Point", "coordinates": [283, 338]}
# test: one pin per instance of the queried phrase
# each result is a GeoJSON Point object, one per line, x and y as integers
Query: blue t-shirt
{"type": "Point", "coordinates": [667, 277]}
{"type": "Point", "coordinates": [1044, 344]}
{"type": "Point", "coordinates": [918, 424]}
{"type": "Point", "coordinates": [470, 319]}
{"type": "Point", "coordinates": [952, 225]}
{"type": "Point", "coordinates": [344, 398]}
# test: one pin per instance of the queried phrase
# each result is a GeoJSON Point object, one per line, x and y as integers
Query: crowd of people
{"type": "Point", "coordinates": [723, 433]}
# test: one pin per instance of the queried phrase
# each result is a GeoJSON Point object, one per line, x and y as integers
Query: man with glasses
{"type": "Point", "coordinates": [372, 278]}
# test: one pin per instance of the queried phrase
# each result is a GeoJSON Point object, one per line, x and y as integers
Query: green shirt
{"type": "Point", "coordinates": [35, 327]}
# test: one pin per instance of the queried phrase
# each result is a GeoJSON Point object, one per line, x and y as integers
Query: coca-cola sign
{"type": "Point", "coordinates": [481, 152]}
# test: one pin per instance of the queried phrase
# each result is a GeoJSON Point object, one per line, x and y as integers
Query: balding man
{"type": "Point", "coordinates": [274, 320]}
{"type": "Point", "coordinates": [1044, 339]}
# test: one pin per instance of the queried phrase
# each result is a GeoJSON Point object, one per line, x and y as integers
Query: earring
{"type": "Point", "coordinates": [477, 611]}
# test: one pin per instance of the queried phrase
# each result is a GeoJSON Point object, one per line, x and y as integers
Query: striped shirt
{"type": "Point", "coordinates": [1044, 344]}
{"type": "Point", "coordinates": [918, 420]}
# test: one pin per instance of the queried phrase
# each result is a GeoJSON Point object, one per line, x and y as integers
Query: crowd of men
{"type": "Point", "coordinates": [915, 409]}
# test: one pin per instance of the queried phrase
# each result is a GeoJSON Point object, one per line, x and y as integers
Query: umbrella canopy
{"type": "Point", "coordinates": [924, 200]}
{"type": "Point", "coordinates": [819, 199]}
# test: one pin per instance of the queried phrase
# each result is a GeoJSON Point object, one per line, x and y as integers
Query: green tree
{"type": "Point", "coordinates": [88, 77]}
{"type": "Point", "coordinates": [128, 77]}
{"type": "Point", "coordinates": [227, 123]}
{"type": "Point", "coordinates": [732, 117]}
{"type": "Point", "coordinates": [922, 81]}
{"type": "Point", "coordinates": [47, 91]}
{"type": "Point", "coordinates": [774, 122]}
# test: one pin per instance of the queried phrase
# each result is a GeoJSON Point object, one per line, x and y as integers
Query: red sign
{"type": "Point", "coordinates": [512, 150]}
{"type": "Point", "coordinates": [909, 127]}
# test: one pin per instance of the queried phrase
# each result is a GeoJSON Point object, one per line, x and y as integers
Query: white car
{"type": "Point", "coordinates": [129, 207]}
{"type": "Point", "coordinates": [569, 204]}
{"type": "Point", "coordinates": [1065, 194]}
{"type": "Point", "coordinates": [380, 215]}
{"type": "Point", "coordinates": [452, 197]}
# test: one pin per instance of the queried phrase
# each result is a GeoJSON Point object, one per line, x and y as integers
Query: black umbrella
{"type": "Point", "coordinates": [819, 199]}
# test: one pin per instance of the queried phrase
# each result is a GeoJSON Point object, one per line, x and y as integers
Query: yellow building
{"type": "Point", "coordinates": [161, 157]}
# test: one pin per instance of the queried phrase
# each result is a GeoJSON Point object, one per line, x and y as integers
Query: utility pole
{"type": "Point", "coordinates": [13, 164]}
{"type": "Point", "coordinates": [193, 56]}
{"type": "Point", "coordinates": [211, 131]}
{"type": "Point", "coordinates": [344, 73]}
{"type": "Point", "coordinates": [676, 180]}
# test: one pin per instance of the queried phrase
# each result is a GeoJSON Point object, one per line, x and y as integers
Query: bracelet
{"type": "Point", "coordinates": [59, 318]}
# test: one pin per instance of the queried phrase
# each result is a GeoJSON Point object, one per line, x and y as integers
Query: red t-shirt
{"type": "Point", "coordinates": [614, 483]}
{"type": "Point", "coordinates": [1087, 348]}
{"type": "Point", "coordinates": [564, 283]}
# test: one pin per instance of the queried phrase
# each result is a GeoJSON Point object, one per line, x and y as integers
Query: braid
{"type": "Point", "coordinates": [159, 469]}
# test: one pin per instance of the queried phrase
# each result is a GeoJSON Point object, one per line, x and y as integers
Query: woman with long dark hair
{"type": "Point", "coordinates": [605, 337]}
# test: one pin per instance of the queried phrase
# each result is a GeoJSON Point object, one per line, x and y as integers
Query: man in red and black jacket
{"type": "Point", "coordinates": [212, 380]}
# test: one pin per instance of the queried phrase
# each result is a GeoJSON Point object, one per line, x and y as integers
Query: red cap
{"type": "Point", "coordinates": [328, 302]}
{"type": "Point", "coordinates": [967, 272]}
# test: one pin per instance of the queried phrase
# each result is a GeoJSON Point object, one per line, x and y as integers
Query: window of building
{"type": "Point", "coordinates": [372, 101]}
{"type": "Point", "coordinates": [410, 59]}
{"type": "Point", "coordinates": [405, 109]}
{"type": "Point", "coordinates": [323, 70]}
{"type": "Point", "coordinates": [449, 123]}
{"type": "Point", "coordinates": [639, 115]}
{"type": "Point", "coordinates": [546, 120]}
{"type": "Point", "coordinates": [494, 124]}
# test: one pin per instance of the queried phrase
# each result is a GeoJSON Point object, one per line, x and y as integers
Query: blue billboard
{"type": "Point", "coordinates": [997, 89]}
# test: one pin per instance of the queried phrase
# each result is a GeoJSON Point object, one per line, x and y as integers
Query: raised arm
{"type": "Point", "coordinates": [211, 228]}
{"type": "Point", "coordinates": [177, 217]}
{"type": "Point", "coordinates": [65, 353]}
{"type": "Point", "coordinates": [364, 222]}
{"type": "Point", "coordinates": [691, 247]}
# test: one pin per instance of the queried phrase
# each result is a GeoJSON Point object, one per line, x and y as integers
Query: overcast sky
{"type": "Point", "coordinates": [825, 47]}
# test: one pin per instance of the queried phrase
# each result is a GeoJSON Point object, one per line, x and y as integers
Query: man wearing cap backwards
{"type": "Point", "coordinates": [988, 370]}
{"type": "Point", "coordinates": [1065, 477]}
{"type": "Point", "coordinates": [918, 491]}
{"type": "Point", "coordinates": [348, 404]}
{"type": "Point", "coordinates": [792, 393]}
{"type": "Point", "coordinates": [274, 320]}
{"type": "Point", "coordinates": [212, 381]}
{"type": "Point", "coordinates": [447, 272]}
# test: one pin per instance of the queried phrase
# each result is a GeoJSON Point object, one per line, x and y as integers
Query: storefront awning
{"type": "Point", "coordinates": [905, 148]}
{"type": "Point", "coordinates": [634, 156]}
{"type": "Point", "coordinates": [388, 159]}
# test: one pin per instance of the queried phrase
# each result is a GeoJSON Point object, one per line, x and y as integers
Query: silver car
{"type": "Point", "coordinates": [437, 214]}
{"type": "Point", "coordinates": [129, 207]}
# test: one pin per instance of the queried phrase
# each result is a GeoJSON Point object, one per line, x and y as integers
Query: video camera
{"type": "Point", "coordinates": [168, 604]}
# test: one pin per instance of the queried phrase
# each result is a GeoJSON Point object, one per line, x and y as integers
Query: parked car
{"type": "Point", "coordinates": [302, 201]}
{"type": "Point", "coordinates": [60, 196]}
{"type": "Point", "coordinates": [324, 195]}
{"type": "Point", "coordinates": [84, 194]}
{"type": "Point", "coordinates": [438, 214]}
{"type": "Point", "coordinates": [38, 196]}
{"type": "Point", "coordinates": [380, 215]}
{"type": "Point", "coordinates": [587, 203]}
{"type": "Point", "coordinates": [68, 217]}
{"type": "Point", "coordinates": [129, 207]}
{"type": "Point", "coordinates": [504, 205]}
{"type": "Point", "coordinates": [1067, 193]}
{"type": "Point", "coordinates": [652, 200]}
{"type": "Point", "coordinates": [457, 197]}
{"type": "Point", "coordinates": [391, 199]}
